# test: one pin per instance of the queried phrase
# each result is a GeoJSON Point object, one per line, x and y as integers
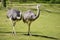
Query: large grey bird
{"type": "Point", "coordinates": [14, 15]}
{"type": "Point", "coordinates": [29, 17]}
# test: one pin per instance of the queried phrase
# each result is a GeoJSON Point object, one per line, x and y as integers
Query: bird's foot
{"type": "Point", "coordinates": [29, 34]}
{"type": "Point", "coordinates": [14, 33]}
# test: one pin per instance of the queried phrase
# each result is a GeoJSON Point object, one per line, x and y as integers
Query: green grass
{"type": "Point", "coordinates": [46, 27]}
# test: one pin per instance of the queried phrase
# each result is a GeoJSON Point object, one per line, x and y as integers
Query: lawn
{"type": "Point", "coordinates": [46, 27]}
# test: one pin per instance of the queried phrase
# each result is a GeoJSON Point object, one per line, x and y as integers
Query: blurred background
{"type": "Point", "coordinates": [46, 27]}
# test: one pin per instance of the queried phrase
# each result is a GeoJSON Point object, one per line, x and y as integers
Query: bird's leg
{"type": "Point", "coordinates": [14, 32]}
{"type": "Point", "coordinates": [29, 28]}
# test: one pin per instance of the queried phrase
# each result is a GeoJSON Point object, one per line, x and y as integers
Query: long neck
{"type": "Point", "coordinates": [38, 13]}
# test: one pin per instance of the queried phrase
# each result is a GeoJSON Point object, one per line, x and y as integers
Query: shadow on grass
{"type": "Point", "coordinates": [42, 36]}
{"type": "Point", "coordinates": [36, 35]}
{"type": "Point", "coordinates": [11, 32]}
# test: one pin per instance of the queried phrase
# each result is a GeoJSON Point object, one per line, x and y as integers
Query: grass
{"type": "Point", "coordinates": [46, 27]}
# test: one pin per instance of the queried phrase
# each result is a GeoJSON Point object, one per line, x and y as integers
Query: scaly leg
{"type": "Point", "coordinates": [14, 32]}
{"type": "Point", "coordinates": [29, 28]}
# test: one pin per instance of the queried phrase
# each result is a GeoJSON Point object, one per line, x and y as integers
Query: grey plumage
{"type": "Point", "coordinates": [29, 17]}
{"type": "Point", "coordinates": [14, 15]}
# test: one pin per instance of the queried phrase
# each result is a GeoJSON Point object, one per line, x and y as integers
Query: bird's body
{"type": "Point", "coordinates": [14, 15]}
{"type": "Point", "coordinates": [29, 17]}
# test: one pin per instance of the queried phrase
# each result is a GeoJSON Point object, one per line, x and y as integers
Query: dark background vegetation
{"type": "Point", "coordinates": [31, 1]}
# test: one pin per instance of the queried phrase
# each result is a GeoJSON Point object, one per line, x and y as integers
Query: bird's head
{"type": "Point", "coordinates": [38, 5]}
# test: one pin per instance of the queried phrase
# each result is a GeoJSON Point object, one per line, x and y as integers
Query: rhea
{"type": "Point", "coordinates": [29, 17]}
{"type": "Point", "coordinates": [14, 15]}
